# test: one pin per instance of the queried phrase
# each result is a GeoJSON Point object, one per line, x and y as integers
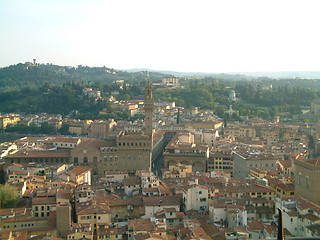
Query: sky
{"type": "Point", "coordinates": [189, 36]}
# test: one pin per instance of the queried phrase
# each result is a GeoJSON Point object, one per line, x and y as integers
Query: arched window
{"type": "Point", "coordinates": [307, 182]}
{"type": "Point", "coordinates": [85, 160]}
{"type": "Point", "coordinates": [95, 159]}
{"type": "Point", "coordinates": [75, 161]}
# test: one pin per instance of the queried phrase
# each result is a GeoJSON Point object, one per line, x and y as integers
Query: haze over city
{"type": "Point", "coordinates": [205, 36]}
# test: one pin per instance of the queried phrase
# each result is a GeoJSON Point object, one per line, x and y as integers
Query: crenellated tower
{"type": "Point", "coordinates": [148, 109]}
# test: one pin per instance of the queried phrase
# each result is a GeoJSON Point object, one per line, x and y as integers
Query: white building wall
{"type": "Point", "coordinates": [196, 198]}
{"type": "Point", "coordinates": [151, 210]}
{"type": "Point", "coordinates": [210, 138]}
{"type": "Point", "coordinates": [218, 213]}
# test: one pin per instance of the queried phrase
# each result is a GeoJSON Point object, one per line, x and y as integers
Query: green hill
{"type": "Point", "coordinates": [27, 74]}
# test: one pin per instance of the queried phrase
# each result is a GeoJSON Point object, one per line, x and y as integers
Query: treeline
{"type": "Point", "coordinates": [256, 99]}
{"type": "Point", "coordinates": [65, 100]}
{"type": "Point", "coordinates": [261, 99]}
{"type": "Point", "coordinates": [277, 96]}
{"type": "Point", "coordinates": [21, 75]}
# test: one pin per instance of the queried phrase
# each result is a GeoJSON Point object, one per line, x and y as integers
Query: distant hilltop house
{"type": "Point", "coordinates": [115, 93]}
{"type": "Point", "coordinates": [91, 93]}
{"type": "Point", "coordinates": [171, 82]}
{"type": "Point", "coordinates": [9, 119]}
{"type": "Point", "coordinates": [119, 82]}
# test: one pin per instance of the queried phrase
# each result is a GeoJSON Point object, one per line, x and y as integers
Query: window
{"type": "Point", "coordinates": [299, 178]}
{"type": "Point", "coordinates": [307, 182]}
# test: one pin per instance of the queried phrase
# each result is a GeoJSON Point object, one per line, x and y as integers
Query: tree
{"type": "Point", "coordinates": [7, 194]}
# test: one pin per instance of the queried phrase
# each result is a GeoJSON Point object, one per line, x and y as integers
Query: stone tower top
{"type": "Point", "coordinates": [148, 109]}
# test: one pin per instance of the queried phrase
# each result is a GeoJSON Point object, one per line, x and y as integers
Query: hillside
{"type": "Point", "coordinates": [28, 74]}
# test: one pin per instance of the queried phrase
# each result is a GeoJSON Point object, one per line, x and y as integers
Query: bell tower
{"type": "Point", "coordinates": [148, 109]}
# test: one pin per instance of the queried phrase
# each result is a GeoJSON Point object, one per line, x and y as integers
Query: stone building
{"type": "Point", "coordinates": [307, 179]}
{"type": "Point", "coordinates": [124, 152]}
{"type": "Point", "coordinates": [244, 161]}
{"type": "Point", "coordinates": [182, 149]}
{"type": "Point", "coordinates": [171, 82]}
{"type": "Point", "coordinates": [221, 160]}
{"type": "Point", "coordinates": [101, 129]}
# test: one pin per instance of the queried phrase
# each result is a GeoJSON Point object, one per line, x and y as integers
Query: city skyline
{"type": "Point", "coordinates": [211, 36]}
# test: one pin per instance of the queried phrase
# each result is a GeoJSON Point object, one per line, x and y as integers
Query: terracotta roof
{"type": "Point", "coordinates": [285, 163]}
{"type": "Point", "coordinates": [132, 180]}
{"type": "Point", "coordinates": [77, 170]}
{"type": "Point", "coordinates": [63, 194]}
{"type": "Point", "coordinates": [92, 209]}
{"type": "Point", "coordinates": [303, 204]}
{"type": "Point", "coordinates": [43, 200]}
{"type": "Point", "coordinates": [141, 225]}
{"type": "Point", "coordinates": [150, 189]}
{"type": "Point", "coordinates": [93, 143]}
{"type": "Point", "coordinates": [142, 236]}
{"type": "Point", "coordinates": [161, 201]}
{"type": "Point", "coordinates": [48, 139]}
{"type": "Point", "coordinates": [286, 187]}
{"type": "Point", "coordinates": [292, 213]}
{"type": "Point", "coordinates": [255, 225]}
{"type": "Point", "coordinates": [311, 217]}
{"type": "Point", "coordinates": [39, 154]}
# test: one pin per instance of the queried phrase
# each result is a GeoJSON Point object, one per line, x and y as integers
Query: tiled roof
{"type": "Point", "coordinates": [92, 209]}
{"type": "Point", "coordinates": [311, 217]}
{"type": "Point", "coordinates": [141, 225]}
{"type": "Point", "coordinates": [132, 180]}
{"type": "Point", "coordinates": [40, 154]}
{"type": "Point", "coordinates": [43, 200]}
{"type": "Point", "coordinates": [161, 201]}
{"type": "Point", "coordinates": [77, 170]}
{"type": "Point", "coordinates": [303, 204]}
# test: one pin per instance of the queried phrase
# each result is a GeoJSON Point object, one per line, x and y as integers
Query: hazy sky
{"type": "Point", "coordinates": [202, 35]}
